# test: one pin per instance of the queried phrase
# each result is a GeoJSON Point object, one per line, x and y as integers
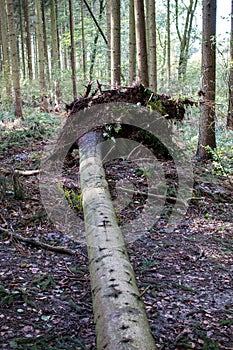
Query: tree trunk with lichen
{"type": "Point", "coordinates": [120, 317]}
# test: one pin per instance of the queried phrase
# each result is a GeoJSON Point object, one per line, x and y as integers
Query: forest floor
{"type": "Point", "coordinates": [185, 277]}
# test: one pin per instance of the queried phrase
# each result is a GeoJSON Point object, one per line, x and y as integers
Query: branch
{"type": "Point", "coordinates": [35, 243]}
{"type": "Point", "coordinates": [97, 24]}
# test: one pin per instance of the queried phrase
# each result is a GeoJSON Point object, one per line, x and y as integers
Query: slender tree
{"type": "Point", "coordinates": [186, 36]}
{"type": "Point", "coordinates": [108, 22]}
{"type": "Point", "coordinates": [58, 36]}
{"type": "Point", "coordinates": [55, 56]}
{"type": "Point", "coordinates": [115, 43]}
{"type": "Point", "coordinates": [5, 50]}
{"type": "Point", "coordinates": [168, 43]}
{"type": "Point", "coordinates": [152, 58]}
{"type": "Point", "coordinates": [141, 42]}
{"type": "Point", "coordinates": [14, 59]}
{"type": "Point", "coordinates": [132, 44]}
{"type": "Point", "coordinates": [45, 43]}
{"type": "Point", "coordinates": [22, 35]}
{"type": "Point", "coordinates": [28, 38]}
{"type": "Point", "coordinates": [230, 103]}
{"type": "Point", "coordinates": [207, 92]}
{"type": "Point", "coordinates": [40, 53]}
{"type": "Point", "coordinates": [83, 42]}
{"type": "Point", "coordinates": [54, 43]}
{"type": "Point", "coordinates": [96, 38]}
{"type": "Point", "coordinates": [73, 51]}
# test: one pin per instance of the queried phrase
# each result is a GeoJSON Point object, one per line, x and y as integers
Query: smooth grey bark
{"type": "Point", "coordinates": [120, 317]}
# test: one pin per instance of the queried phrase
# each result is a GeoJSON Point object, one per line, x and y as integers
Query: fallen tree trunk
{"type": "Point", "coordinates": [120, 317]}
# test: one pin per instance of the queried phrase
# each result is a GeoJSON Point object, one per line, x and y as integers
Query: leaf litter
{"type": "Point", "coordinates": [185, 277]}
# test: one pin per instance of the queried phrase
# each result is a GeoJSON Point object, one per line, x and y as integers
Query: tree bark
{"type": "Point", "coordinates": [5, 51]}
{"type": "Point", "coordinates": [152, 46]}
{"type": "Point", "coordinates": [132, 44]}
{"type": "Point", "coordinates": [84, 58]}
{"type": "Point", "coordinates": [141, 42]}
{"type": "Point", "coordinates": [185, 38]}
{"type": "Point", "coordinates": [168, 44]}
{"type": "Point", "coordinates": [28, 39]}
{"type": "Point", "coordinates": [21, 28]}
{"type": "Point", "coordinates": [120, 317]}
{"type": "Point", "coordinates": [207, 92]}
{"type": "Point", "coordinates": [108, 22]}
{"type": "Point", "coordinates": [40, 51]}
{"type": "Point", "coordinates": [96, 38]}
{"type": "Point", "coordinates": [14, 60]}
{"type": "Point", "coordinates": [115, 43]}
{"type": "Point", "coordinates": [45, 45]}
{"type": "Point", "coordinates": [230, 103]}
{"type": "Point", "coordinates": [55, 52]}
{"type": "Point", "coordinates": [73, 56]}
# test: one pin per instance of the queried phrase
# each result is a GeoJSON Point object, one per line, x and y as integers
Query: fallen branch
{"type": "Point", "coordinates": [33, 242]}
{"type": "Point", "coordinates": [156, 196]}
{"type": "Point", "coordinates": [20, 172]}
{"type": "Point", "coordinates": [26, 172]}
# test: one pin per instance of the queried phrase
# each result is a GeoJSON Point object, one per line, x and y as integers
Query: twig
{"type": "Point", "coordinates": [26, 172]}
{"type": "Point", "coordinates": [156, 196]}
{"type": "Point", "coordinates": [35, 243]}
{"type": "Point", "coordinates": [144, 291]}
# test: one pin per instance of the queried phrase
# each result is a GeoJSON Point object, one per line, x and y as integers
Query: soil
{"type": "Point", "coordinates": [185, 276]}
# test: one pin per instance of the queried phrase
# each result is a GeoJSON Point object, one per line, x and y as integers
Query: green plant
{"type": "Point", "coordinates": [10, 297]}
{"type": "Point", "coordinates": [226, 322]}
{"type": "Point", "coordinates": [73, 198]}
{"type": "Point", "coordinates": [147, 264]}
{"type": "Point", "coordinates": [47, 342]}
{"type": "Point", "coordinates": [44, 281]}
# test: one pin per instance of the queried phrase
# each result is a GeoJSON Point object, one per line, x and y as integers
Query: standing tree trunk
{"type": "Point", "coordinates": [120, 317]}
{"type": "Point", "coordinates": [45, 43]}
{"type": "Point", "coordinates": [28, 38]}
{"type": "Point", "coordinates": [83, 42]}
{"type": "Point", "coordinates": [40, 52]}
{"type": "Point", "coordinates": [6, 54]}
{"type": "Point", "coordinates": [14, 59]}
{"type": "Point", "coordinates": [168, 44]}
{"type": "Point", "coordinates": [207, 119]}
{"type": "Point", "coordinates": [108, 21]}
{"type": "Point", "coordinates": [58, 38]}
{"type": "Point", "coordinates": [73, 51]}
{"type": "Point", "coordinates": [115, 43]}
{"type": "Point", "coordinates": [96, 38]}
{"type": "Point", "coordinates": [152, 45]}
{"type": "Point", "coordinates": [185, 38]}
{"type": "Point", "coordinates": [132, 44]}
{"type": "Point", "coordinates": [21, 27]}
{"type": "Point", "coordinates": [54, 55]}
{"type": "Point", "coordinates": [141, 42]}
{"type": "Point", "coordinates": [230, 103]}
